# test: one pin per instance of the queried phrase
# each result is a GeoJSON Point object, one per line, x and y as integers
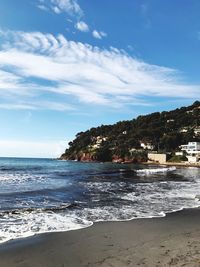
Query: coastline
{"type": "Point", "coordinates": [175, 164]}
{"type": "Point", "coordinates": [168, 241]}
{"type": "Point", "coordinates": [148, 163]}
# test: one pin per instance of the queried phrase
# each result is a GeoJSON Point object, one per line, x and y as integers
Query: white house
{"type": "Point", "coordinates": [197, 130]}
{"type": "Point", "coordinates": [171, 120]}
{"type": "Point", "coordinates": [191, 148]}
{"type": "Point", "coordinates": [193, 159]}
{"type": "Point", "coordinates": [148, 146]}
{"type": "Point", "coordinates": [183, 130]}
{"type": "Point", "coordinates": [193, 151]}
{"type": "Point", "coordinates": [98, 141]}
{"type": "Point", "coordinates": [179, 153]}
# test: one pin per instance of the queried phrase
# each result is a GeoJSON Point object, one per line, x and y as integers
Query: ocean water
{"type": "Point", "coordinates": [46, 195]}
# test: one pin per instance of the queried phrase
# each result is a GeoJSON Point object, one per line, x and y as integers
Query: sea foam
{"type": "Point", "coordinates": [155, 170]}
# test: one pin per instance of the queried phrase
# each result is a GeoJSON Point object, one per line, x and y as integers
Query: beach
{"type": "Point", "coordinates": [168, 241]}
{"type": "Point", "coordinates": [89, 215]}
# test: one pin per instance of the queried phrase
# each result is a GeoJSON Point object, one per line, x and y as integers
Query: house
{"type": "Point", "coordinates": [191, 148]}
{"type": "Point", "coordinates": [147, 146]}
{"type": "Point", "coordinates": [98, 141]}
{"type": "Point", "coordinates": [193, 159]}
{"type": "Point", "coordinates": [179, 153]}
{"type": "Point", "coordinates": [193, 151]}
{"type": "Point", "coordinates": [197, 131]}
{"type": "Point", "coordinates": [132, 151]}
{"type": "Point", "coordinates": [95, 146]}
{"type": "Point", "coordinates": [159, 158]}
{"type": "Point", "coordinates": [184, 130]}
{"type": "Point", "coordinates": [171, 120]}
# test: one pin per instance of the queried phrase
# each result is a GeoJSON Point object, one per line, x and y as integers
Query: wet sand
{"type": "Point", "coordinates": [170, 241]}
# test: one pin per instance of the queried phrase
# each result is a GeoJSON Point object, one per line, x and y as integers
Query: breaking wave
{"type": "Point", "coordinates": [50, 196]}
{"type": "Point", "coordinates": [156, 170]}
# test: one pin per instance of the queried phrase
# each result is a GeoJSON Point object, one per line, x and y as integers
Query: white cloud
{"type": "Point", "coordinates": [82, 26]}
{"type": "Point", "coordinates": [70, 7]}
{"type": "Point", "coordinates": [98, 34]}
{"type": "Point", "coordinates": [42, 7]}
{"type": "Point", "coordinates": [56, 9]}
{"type": "Point", "coordinates": [43, 148]}
{"type": "Point", "coordinates": [37, 105]}
{"type": "Point", "coordinates": [84, 73]}
{"type": "Point", "coordinates": [103, 34]}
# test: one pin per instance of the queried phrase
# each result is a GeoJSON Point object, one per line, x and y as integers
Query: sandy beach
{"type": "Point", "coordinates": [169, 241]}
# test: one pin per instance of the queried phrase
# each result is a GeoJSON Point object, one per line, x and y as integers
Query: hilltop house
{"type": "Point", "coordinates": [197, 131]}
{"type": "Point", "coordinates": [184, 130]}
{"type": "Point", "coordinates": [98, 141]}
{"type": "Point", "coordinates": [147, 145]}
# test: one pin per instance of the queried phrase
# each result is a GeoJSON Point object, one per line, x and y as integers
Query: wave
{"type": "Point", "coordinates": [62, 207]}
{"type": "Point", "coordinates": [156, 170]}
{"type": "Point", "coordinates": [154, 201]}
{"type": "Point", "coordinates": [67, 198]}
{"type": "Point", "coordinates": [19, 168]}
{"type": "Point", "coordinates": [20, 225]}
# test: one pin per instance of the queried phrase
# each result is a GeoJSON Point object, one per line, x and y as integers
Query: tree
{"type": "Point", "coordinates": [103, 154]}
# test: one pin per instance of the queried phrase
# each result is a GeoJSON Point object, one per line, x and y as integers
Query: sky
{"type": "Point", "coordinates": [69, 65]}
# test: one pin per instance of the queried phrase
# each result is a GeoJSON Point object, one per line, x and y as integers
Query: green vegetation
{"type": "Point", "coordinates": [103, 154]}
{"type": "Point", "coordinates": [164, 132]}
{"type": "Point", "coordinates": [177, 158]}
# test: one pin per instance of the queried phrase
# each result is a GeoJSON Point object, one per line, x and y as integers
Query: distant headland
{"type": "Point", "coordinates": [174, 134]}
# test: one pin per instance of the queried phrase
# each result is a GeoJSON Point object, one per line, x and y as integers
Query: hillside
{"type": "Point", "coordinates": [130, 140]}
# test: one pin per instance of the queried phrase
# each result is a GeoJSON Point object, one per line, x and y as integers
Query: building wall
{"type": "Point", "coordinates": [161, 158]}
{"type": "Point", "coordinates": [192, 159]}
{"type": "Point", "coordinates": [179, 153]}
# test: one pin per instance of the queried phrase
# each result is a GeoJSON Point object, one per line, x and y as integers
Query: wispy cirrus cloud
{"type": "Point", "coordinates": [40, 148]}
{"type": "Point", "coordinates": [144, 10]}
{"type": "Point", "coordinates": [47, 64]}
{"type": "Point", "coordinates": [36, 105]}
{"type": "Point", "coordinates": [42, 7]}
{"type": "Point", "coordinates": [70, 7]}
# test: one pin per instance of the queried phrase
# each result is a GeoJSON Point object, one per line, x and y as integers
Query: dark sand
{"type": "Point", "coordinates": [170, 241]}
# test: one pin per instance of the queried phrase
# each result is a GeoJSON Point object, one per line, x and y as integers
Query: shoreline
{"type": "Point", "coordinates": [172, 240]}
{"type": "Point", "coordinates": [175, 164]}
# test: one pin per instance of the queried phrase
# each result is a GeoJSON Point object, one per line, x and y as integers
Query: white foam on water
{"type": "Point", "coordinates": [114, 214]}
{"type": "Point", "coordinates": [14, 177]}
{"type": "Point", "coordinates": [21, 182]}
{"type": "Point", "coordinates": [160, 199]}
{"type": "Point", "coordinates": [104, 186]}
{"type": "Point", "coordinates": [156, 170]}
{"type": "Point", "coordinates": [146, 200]}
{"type": "Point", "coordinates": [26, 224]}
{"type": "Point", "coordinates": [141, 200]}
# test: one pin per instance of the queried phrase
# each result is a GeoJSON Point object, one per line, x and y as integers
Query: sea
{"type": "Point", "coordinates": [49, 195]}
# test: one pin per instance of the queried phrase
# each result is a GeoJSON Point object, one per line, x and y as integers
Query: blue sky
{"type": "Point", "coordinates": [69, 65]}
